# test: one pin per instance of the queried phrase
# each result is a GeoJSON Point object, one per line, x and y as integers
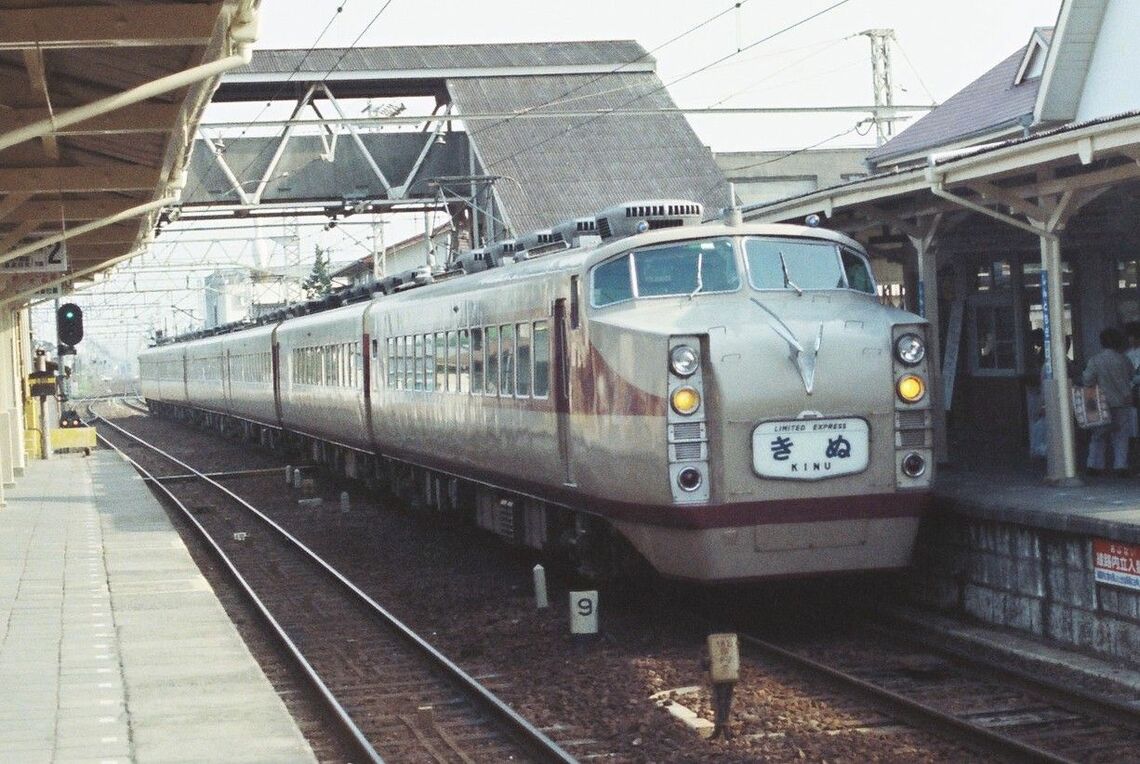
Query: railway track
{"type": "Point", "coordinates": [990, 708]}
{"type": "Point", "coordinates": [393, 695]}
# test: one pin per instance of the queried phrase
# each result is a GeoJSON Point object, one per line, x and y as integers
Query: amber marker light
{"type": "Point", "coordinates": [911, 388]}
{"type": "Point", "coordinates": [685, 400]}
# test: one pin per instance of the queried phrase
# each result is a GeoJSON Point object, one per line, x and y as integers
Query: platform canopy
{"type": "Point", "coordinates": [98, 104]}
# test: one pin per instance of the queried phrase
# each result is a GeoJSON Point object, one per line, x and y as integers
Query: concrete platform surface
{"type": "Point", "coordinates": [113, 647]}
{"type": "Point", "coordinates": [1103, 506]}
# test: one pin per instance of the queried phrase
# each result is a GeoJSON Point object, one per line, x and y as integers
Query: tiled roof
{"type": "Point", "coordinates": [578, 164]}
{"type": "Point", "coordinates": [989, 103]}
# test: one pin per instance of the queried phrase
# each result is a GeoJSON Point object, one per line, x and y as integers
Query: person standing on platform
{"type": "Point", "coordinates": [1132, 334]}
{"type": "Point", "coordinates": [1112, 371]}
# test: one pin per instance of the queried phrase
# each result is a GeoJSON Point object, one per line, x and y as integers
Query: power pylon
{"type": "Point", "coordinates": [882, 81]}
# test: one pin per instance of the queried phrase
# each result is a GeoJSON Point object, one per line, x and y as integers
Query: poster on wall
{"type": "Point", "coordinates": [1116, 563]}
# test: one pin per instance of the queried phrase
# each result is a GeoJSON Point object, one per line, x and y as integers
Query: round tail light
{"type": "Point", "coordinates": [689, 479]}
{"type": "Point", "coordinates": [913, 465]}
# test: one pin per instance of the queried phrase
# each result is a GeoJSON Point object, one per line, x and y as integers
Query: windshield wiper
{"type": "Point", "coordinates": [787, 278]}
{"type": "Point", "coordinates": [700, 281]}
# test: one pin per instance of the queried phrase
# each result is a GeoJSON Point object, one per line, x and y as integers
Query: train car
{"type": "Point", "coordinates": [723, 401]}
{"type": "Point", "coordinates": [320, 376]}
{"type": "Point", "coordinates": [249, 378]}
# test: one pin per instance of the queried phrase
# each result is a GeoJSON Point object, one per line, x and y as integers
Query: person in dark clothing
{"type": "Point", "coordinates": [1111, 370]}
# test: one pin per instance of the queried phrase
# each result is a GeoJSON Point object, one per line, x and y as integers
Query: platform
{"type": "Point", "coordinates": [113, 647]}
{"type": "Point", "coordinates": [1061, 563]}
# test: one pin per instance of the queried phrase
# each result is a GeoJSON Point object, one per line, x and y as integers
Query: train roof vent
{"type": "Point", "coordinates": [474, 260]}
{"type": "Point", "coordinates": [502, 251]}
{"type": "Point", "coordinates": [649, 215]}
{"type": "Point", "coordinates": [541, 242]}
{"type": "Point", "coordinates": [578, 232]}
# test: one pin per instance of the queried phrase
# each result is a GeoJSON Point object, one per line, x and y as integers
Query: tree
{"type": "Point", "coordinates": [319, 282]}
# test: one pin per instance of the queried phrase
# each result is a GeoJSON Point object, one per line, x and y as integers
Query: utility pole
{"type": "Point", "coordinates": [881, 80]}
{"type": "Point", "coordinates": [291, 248]}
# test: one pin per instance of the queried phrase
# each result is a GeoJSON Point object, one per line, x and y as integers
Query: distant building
{"type": "Point", "coordinates": [235, 294]}
{"type": "Point", "coordinates": [767, 176]}
{"type": "Point", "coordinates": [404, 255]}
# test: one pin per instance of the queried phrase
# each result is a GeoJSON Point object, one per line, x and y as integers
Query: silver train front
{"type": "Point", "coordinates": [799, 442]}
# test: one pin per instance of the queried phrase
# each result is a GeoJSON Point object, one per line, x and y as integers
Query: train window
{"type": "Point", "coordinates": [453, 362]}
{"type": "Point", "coordinates": [790, 264]}
{"type": "Point", "coordinates": [507, 359]}
{"type": "Point", "coordinates": [357, 365]}
{"type": "Point", "coordinates": [441, 353]}
{"type": "Point", "coordinates": [464, 361]}
{"type": "Point", "coordinates": [392, 350]}
{"type": "Point", "coordinates": [858, 274]}
{"type": "Point", "coordinates": [399, 384]}
{"type": "Point", "coordinates": [522, 367]}
{"type": "Point", "coordinates": [686, 268]}
{"type": "Point", "coordinates": [477, 361]}
{"type": "Point", "coordinates": [429, 362]}
{"type": "Point", "coordinates": [409, 364]}
{"type": "Point", "coordinates": [492, 340]}
{"type": "Point", "coordinates": [610, 283]}
{"type": "Point", "coordinates": [418, 365]}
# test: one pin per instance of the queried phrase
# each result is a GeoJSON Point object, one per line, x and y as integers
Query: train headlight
{"type": "Point", "coordinates": [910, 349]}
{"type": "Point", "coordinates": [685, 400]}
{"type": "Point", "coordinates": [684, 360]}
{"type": "Point", "coordinates": [911, 388]}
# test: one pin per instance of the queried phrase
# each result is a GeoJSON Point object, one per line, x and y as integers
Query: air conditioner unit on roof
{"type": "Point", "coordinates": [637, 217]}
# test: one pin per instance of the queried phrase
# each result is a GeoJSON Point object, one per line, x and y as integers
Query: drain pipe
{"type": "Point", "coordinates": [240, 38]}
{"type": "Point", "coordinates": [1061, 468]}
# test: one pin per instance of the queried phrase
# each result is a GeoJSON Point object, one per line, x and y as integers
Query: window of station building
{"type": "Point", "coordinates": [464, 361]}
{"type": "Point", "coordinates": [523, 380]}
{"type": "Point", "coordinates": [491, 339]}
{"type": "Point", "coordinates": [507, 359]}
{"type": "Point", "coordinates": [994, 337]}
{"type": "Point", "coordinates": [477, 361]}
{"type": "Point", "coordinates": [1127, 291]}
{"type": "Point", "coordinates": [993, 276]}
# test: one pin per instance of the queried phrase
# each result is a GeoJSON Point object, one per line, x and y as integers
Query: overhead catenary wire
{"type": "Point", "coordinates": [559, 99]}
{"type": "Point", "coordinates": [530, 147]}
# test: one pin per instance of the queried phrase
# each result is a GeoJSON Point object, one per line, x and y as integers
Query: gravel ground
{"type": "Point", "coordinates": [472, 597]}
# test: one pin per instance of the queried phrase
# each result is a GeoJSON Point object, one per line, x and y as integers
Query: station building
{"type": "Point", "coordinates": [1011, 207]}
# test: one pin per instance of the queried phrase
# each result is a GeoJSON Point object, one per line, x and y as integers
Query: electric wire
{"type": "Point", "coordinates": [563, 98]}
{"type": "Point", "coordinates": [656, 89]}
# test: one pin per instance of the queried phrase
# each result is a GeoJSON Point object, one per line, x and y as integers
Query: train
{"type": "Point", "coordinates": [719, 400]}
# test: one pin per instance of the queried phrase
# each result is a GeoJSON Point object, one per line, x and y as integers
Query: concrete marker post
{"type": "Point", "coordinates": [540, 599]}
{"type": "Point", "coordinates": [724, 669]}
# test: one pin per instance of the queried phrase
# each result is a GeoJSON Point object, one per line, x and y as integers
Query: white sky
{"type": "Point", "coordinates": [941, 46]}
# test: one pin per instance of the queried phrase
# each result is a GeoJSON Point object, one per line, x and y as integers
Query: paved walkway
{"type": "Point", "coordinates": [113, 647]}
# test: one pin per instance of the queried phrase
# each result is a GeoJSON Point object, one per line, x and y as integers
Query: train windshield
{"type": "Point", "coordinates": [800, 265]}
{"type": "Point", "coordinates": [675, 269]}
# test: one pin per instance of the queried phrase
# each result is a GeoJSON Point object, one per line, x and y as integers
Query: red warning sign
{"type": "Point", "coordinates": [1116, 563]}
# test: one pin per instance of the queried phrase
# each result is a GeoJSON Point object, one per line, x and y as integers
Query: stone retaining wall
{"type": "Point", "coordinates": [1034, 580]}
